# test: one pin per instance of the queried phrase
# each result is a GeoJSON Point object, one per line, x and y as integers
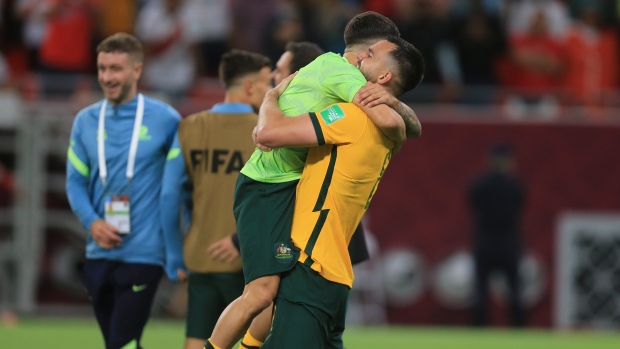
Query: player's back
{"type": "Point", "coordinates": [328, 79]}
{"type": "Point", "coordinates": [215, 148]}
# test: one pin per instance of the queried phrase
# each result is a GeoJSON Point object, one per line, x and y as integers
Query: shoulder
{"type": "Point", "coordinates": [192, 119]}
{"type": "Point", "coordinates": [161, 109]}
{"type": "Point", "coordinates": [340, 111]}
{"type": "Point", "coordinates": [91, 111]}
{"type": "Point", "coordinates": [334, 59]}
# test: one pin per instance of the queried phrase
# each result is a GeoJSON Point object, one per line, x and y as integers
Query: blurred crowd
{"type": "Point", "coordinates": [545, 52]}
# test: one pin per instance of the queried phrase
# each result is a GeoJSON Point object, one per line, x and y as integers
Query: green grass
{"type": "Point", "coordinates": [64, 333]}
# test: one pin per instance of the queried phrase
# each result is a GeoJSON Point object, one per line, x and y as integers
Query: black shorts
{"type": "Point", "coordinates": [264, 216]}
{"type": "Point", "coordinates": [208, 295]}
{"type": "Point", "coordinates": [122, 295]}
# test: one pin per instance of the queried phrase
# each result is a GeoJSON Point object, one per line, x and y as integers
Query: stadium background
{"type": "Point", "coordinates": [564, 126]}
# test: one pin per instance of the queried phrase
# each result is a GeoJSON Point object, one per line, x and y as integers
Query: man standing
{"type": "Point", "coordinates": [211, 147]}
{"type": "Point", "coordinates": [115, 166]}
{"type": "Point", "coordinates": [496, 199]}
{"type": "Point", "coordinates": [347, 159]}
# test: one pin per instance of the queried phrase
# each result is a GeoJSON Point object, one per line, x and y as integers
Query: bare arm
{"type": "Point", "coordinates": [386, 118]}
{"type": "Point", "coordinates": [275, 130]}
{"type": "Point", "coordinates": [373, 95]}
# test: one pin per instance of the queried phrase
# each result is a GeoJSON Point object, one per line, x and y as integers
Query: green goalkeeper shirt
{"type": "Point", "coordinates": [329, 79]}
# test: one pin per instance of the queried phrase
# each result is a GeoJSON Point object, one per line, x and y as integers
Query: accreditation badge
{"type": "Point", "coordinates": [117, 212]}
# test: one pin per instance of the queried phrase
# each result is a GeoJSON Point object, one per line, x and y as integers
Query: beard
{"type": "Point", "coordinates": [124, 90]}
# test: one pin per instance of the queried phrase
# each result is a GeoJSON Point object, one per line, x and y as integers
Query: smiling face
{"type": "Point", "coordinates": [118, 74]}
{"type": "Point", "coordinates": [376, 61]}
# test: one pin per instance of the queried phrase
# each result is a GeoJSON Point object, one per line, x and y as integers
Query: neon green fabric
{"type": "Point", "coordinates": [173, 153]}
{"type": "Point", "coordinates": [131, 345]}
{"type": "Point", "coordinates": [78, 164]}
{"type": "Point", "coordinates": [327, 80]}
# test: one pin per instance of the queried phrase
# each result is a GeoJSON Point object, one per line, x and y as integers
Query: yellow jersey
{"type": "Point", "coordinates": [338, 181]}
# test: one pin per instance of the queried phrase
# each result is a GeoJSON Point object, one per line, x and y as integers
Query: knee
{"type": "Point", "coordinates": [261, 294]}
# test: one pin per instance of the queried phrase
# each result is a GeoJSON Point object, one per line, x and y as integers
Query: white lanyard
{"type": "Point", "coordinates": [133, 147]}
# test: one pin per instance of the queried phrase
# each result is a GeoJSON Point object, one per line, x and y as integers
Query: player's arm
{"type": "Point", "coordinates": [77, 187]}
{"type": "Point", "coordinates": [386, 119]}
{"type": "Point", "coordinates": [275, 130]}
{"type": "Point", "coordinates": [170, 204]}
{"type": "Point", "coordinates": [373, 95]}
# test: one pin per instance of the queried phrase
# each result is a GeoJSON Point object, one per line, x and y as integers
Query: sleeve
{"type": "Point", "coordinates": [341, 123]}
{"type": "Point", "coordinates": [78, 176]}
{"type": "Point", "coordinates": [342, 80]}
{"type": "Point", "coordinates": [170, 207]}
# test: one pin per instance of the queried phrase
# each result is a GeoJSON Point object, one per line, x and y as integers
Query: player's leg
{"type": "Point", "coordinates": [135, 287]}
{"type": "Point", "coordinates": [334, 341]}
{"type": "Point", "coordinates": [297, 326]}
{"type": "Point", "coordinates": [511, 270]}
{"type": "Point", "coordinates": [264, 215]}
{"type": "Point", "coordinates": [257, 333]}
{"type": "Point", "coordinates": [236, 318]}
{"type": "Point", "coordinates": [204, 305]}
{"type": "Point", "coordinates": [482, 271]}
{"type": "Point", "coordinates": [307, 309]}
{"type": "Point", "coordinates": [100, 292]}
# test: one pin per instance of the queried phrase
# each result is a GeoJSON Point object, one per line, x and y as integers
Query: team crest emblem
{"type": "Point", "coordinates": [283, 253]}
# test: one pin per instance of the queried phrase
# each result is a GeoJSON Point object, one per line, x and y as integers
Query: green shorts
{"type": "Point", "coordinates": [208, 295]}
{"type": "Point", "coordinates": [309, 311]}
{"type": "Point", "coordinates": [264, 215]}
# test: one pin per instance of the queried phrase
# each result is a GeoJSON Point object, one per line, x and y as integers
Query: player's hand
{"type": "Point", "coordinates": [223, 250]}
{"type": "Point", "coordinates": [374, 94]}
{"type": "Point", "coordinates": [105, 235]}
{"type": "Point", "coordinates": [182, 275]}
{"type": "Point", "coordinates": [397, 147]}
{"type": "Point", "coordinates": [284, 84]}
{"type": "Point", "coordinates": [258, 145]}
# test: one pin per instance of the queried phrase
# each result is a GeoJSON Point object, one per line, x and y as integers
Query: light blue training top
{"type": "Point", "coordinates": [146, 242]}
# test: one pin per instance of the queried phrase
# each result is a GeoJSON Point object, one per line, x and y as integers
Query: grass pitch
{"type": "Point", "coordinates": [80, 333]}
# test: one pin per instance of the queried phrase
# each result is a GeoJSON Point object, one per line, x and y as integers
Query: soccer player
{"type": "Point", "coordinates": [211, 147]}
{"type": "Point", "coordinates": [348, 157]}
{"type": "Point", "coordinates": [265, 191]}
{"type": "Point", "coordinates": [297, 56]}
{"type": "Point", "coordinates": [115, 166]}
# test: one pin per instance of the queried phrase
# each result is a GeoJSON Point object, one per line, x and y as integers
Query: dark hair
{"type": "Point", "coordinates": [303, 53]}
{"type": "Point", "coordinates": [409, 64]}
{"type": "Point", "coordinates": [368, 26]}
{"type": "Point", "coordinates": [122, 42]}
{"type": "Point", "coordinates": [236, 64]}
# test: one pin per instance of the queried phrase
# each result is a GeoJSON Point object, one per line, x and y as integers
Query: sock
{"type": "Point", "coordinates": [209, 345]}
{"type": "Point", "coordinates": [249, 342]}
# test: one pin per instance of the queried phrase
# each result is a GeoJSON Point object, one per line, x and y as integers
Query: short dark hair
{"type": "Point", "coordinates": [303, 53]}
{"type": "Point", "coordinates": [122, 42]}
{"type": "Point", "coordinates": [409, 63]}
{"type": "Point", "coordinates": [236, 64]}
{"type": "Point", "coordinates": [368, 26]}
